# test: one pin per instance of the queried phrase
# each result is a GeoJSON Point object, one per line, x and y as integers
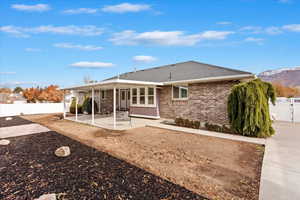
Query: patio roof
{"type": "Point", "coordinates": [109, 84]}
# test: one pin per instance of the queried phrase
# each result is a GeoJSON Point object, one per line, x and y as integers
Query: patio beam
{"type": "Point", "coordinates": [64, 100]}
{"type": "Point", "coordinates": [114, 107]}
{"type": "Point", "coordinates": [93, 109]}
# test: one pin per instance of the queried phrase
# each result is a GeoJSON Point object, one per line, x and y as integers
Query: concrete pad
{"type": "Point", "coordinates": [280, 178]}
{"type": "Point", "coordinates": [13, 131]}
{"type": "Point", "coordinates": [209, 133]}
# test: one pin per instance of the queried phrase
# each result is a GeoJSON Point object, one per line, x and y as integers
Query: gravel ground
{"type": "Point", "coordinates": [14, 122]}
{"type": "Point", "coordinates": [29, 168]}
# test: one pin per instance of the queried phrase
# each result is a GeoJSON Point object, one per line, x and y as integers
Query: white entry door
{"type": "Point", "coordinates": [124, 99]}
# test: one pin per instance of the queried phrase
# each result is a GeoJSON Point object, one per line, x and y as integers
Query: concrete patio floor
{"type": "Point", "coordinates": [106, 121]}
{"type": "Point", "coordinates": [280, 178]}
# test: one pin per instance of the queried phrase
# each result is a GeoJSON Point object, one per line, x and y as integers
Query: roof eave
{"type": "Point", "coordinates": [212, 79]}
{"type": "Point", "coordinates": [113, 82]}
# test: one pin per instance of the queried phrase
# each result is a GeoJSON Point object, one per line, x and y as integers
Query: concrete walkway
{"type": "Point", "coordinates": [27, 129]}
{"type": "Point", "coordinates": [208, 133]}
{"type": "Point", "coordinates": [280, 178]}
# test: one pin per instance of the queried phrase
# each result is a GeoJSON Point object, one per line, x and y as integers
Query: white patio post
{"type": "Point", "coordinates": [64, 96]}
{"type": "Point", "coordinates": [76, 108]}
{"type": "Point", "coordinates": [119, 102]}
{"type": "Point", "coordinates": [93, 110]}
{"type": "Point", "coordinates": [114, 107]}
{"type": "Point", "coordinates": [99, 106]}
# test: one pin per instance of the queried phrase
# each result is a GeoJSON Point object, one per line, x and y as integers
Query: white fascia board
{"type": "Point", "coordinates": [211, 79]}
{"type": "Point", "coordinates": [112, 82]}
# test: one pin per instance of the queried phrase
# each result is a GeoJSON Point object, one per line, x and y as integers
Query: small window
{"type": "Point", "coordinates": [134, 96]}
{"type": "Point", "coordinates": [103, 94]}
{"type": "Point", "coordinates": [150, 96]}
{"type": "Point", "coordinates": [180, 92]}
{"type": "Point", "coordinates": [142, 95]}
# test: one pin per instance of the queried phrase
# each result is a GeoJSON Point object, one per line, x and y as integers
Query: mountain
{"type": "Point", "coordinates": [286, 76]}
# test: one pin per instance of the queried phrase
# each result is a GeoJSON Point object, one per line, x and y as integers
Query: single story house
{"type": "Point", "coordinates": [191, 90]}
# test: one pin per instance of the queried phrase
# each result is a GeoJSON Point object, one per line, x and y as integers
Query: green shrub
{"type": "Point", "coordinates": [87, 106]}
{"type": "Point", "coordinates": [187, 123]}
{"type": "Point", "coordinates": [248, 108]}
{"type": "Point", "coordinates": [73, 107]}
{"type": "Point", "coordinates": [196, 124]}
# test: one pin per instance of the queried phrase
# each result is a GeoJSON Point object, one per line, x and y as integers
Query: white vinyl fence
{"type": "Point", "coordinates": [31, 108]}
{"type": "Point", "coordinates": [286, 109]}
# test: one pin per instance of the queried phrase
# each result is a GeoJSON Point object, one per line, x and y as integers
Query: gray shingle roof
{"type": "Point", "coordinates": [180, 71]}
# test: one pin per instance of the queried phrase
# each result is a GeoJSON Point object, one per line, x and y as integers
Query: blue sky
{"type": "Point", "coordinates": [60, 42]}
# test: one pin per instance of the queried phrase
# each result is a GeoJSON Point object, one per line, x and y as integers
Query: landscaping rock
{"type": "Point", "coordinates": [47, 197]}
{"type": "Point", "coordinates": [8, 118]}
{"type": "Point", "coordinates": [63, 151]}
{"type": "Point", "coordinates": [4, 142]}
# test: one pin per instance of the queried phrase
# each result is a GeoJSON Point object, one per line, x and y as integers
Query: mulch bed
{"type": "Point", "coordinates": [29, 169]}
{"type": "Point", "coordinates": [14, 122]}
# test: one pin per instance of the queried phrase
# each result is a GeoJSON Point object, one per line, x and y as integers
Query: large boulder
{"type": "Point", "coordinates": [47, 197]}
{"type": "Point", "coordinates": [8, 118]}
{"type": "Point", "coordinates": [63, 151]}
{"type": "Point", "coordinates": [4, 142]}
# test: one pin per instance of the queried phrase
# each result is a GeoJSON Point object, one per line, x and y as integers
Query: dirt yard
{"type": "Point", "coordinates": [212, 167]}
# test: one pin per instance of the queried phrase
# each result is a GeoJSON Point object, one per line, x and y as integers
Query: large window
{"type": "Point", "coordinates": [151, 96]}
{"type": "Point", "coordinates": [143, 96]}
{"type": "Point", "coordinates": [134, 96]}
{"type": "Point", "coordinates": [180, 92]}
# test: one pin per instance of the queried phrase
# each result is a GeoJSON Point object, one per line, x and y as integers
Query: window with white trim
{"type": "Point", "coordinates": [180, 92]}
{"type": "Point", "coordinates": [143, 96]}
{"type": "Point", "coordinates": [150, 94]}
{"type": "Point", "coordinates": [134, 95]}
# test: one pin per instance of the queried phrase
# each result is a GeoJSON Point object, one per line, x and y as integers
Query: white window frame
{"type": "Point", "coordinates": [180, 98]}
{"type": "Point", "coordinates": [146, 97]}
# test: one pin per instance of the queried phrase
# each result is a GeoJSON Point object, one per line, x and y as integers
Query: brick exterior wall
{"type": "Point", "coordinates": [207, 102]}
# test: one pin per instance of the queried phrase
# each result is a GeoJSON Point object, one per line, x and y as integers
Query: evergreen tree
{"type": "Point", "coordinates": [248, 108]}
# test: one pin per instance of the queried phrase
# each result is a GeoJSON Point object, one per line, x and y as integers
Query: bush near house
{"type": "Point", "coordinates": [197, 124]}
{"type": "Point", "coordinates": [73, 107]}
{"type": "Point", "coordinates": [248, 108]}
{"type": "Point", "coordinates": [87, 106]}
{"type": "Point", "coordinates": [187, 123]}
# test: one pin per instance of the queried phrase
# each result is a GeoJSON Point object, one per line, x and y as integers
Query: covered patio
{"type": "Point", "coordinates": [114, 115]}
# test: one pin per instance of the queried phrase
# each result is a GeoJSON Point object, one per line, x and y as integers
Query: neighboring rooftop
{"type": "Point", "coordinates": [180, 71]}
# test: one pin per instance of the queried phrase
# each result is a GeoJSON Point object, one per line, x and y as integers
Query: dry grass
{"type": "Point", "coordinates": [213, 167]}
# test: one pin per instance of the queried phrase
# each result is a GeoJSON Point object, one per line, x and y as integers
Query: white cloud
{"type": "Point", "coordinates": [126, 7]}
{"type": "Point", "coordinates": [144, 59]}
{"type": "Point", "coordinates": [252, 29]}
{"type": "Point", "coordinates": [255, 40]}
{"type": "Point", "coordinates": [292, 27]}
{"type": "Point", "coordinates": [32, 49]}
{"type": "Point", "coordinates": [167, 38]}
{"type": "Point", "coordinates": [15, 83]}
{"type": "Point", "coordinates": [224, 23]}
{"type": "Point", "coordinates": [77, 46]}
{"type": "Point", "coordinates": [273, 30]}
{"type": "Point", "coordinates": [86, 64]}
{"type": "Point", "coordinates": [7, 73]}
{"type": "Point", "coordinates": [284, 1]}
{"type": "Point", "coordinates": [80, 11]}
{"type": "Point", "coordinates": [88, 30]}
{"type": "Point", "coordinates": [13, 30]}
{"type": "Point", "coordinates": [31, 8]}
